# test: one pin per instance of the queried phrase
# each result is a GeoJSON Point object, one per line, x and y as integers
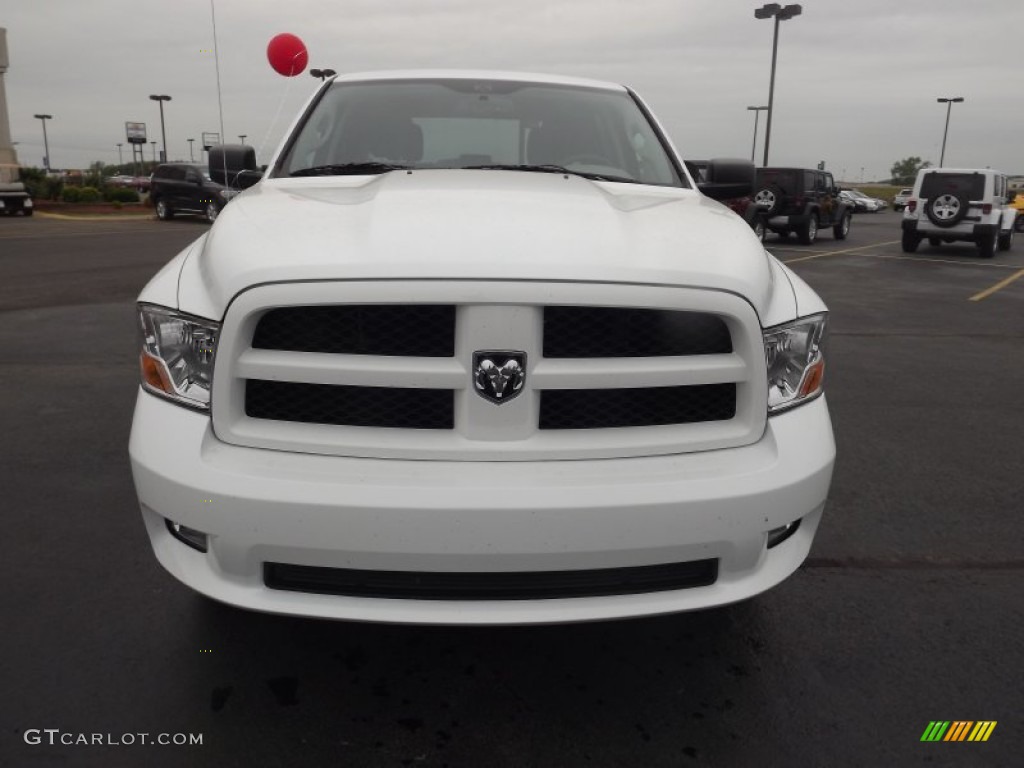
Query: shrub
{"type": "Point", "coordinates": [89, 195]}
{"type": "Point", "coordinates": [52, 189]}
{"type": "Point", "coordinates": [40, 186]}
{"type": "Point", "coordinates": [71, 195]}
{"type": "Point", "coordinates": [120, 195]}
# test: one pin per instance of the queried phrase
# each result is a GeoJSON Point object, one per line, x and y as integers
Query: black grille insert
{"type": "Point", "coordinates": [350, 406]}
{"type": "Point", "coordinates": [644, 407]}
{"type": "Point", "coordinates": [628, 332]}
{"type": "Point", "coordinates": [397, 330]}
{"type": "Point", "coordinates": [530, 585]}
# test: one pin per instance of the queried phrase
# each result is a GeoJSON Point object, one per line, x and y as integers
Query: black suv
{"type": "Point", "coordinates": [802, 201]}
{"type": "Point", "coordinates": [186, 188]}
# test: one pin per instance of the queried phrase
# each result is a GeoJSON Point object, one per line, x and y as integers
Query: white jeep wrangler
{"type": "Point", "coordinates": [950, 204]}
{"type": "Point", "coordinates": [475, 348]}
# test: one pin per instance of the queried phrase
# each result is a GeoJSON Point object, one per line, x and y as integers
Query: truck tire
{"type": "Point", "coordinates": [808, 233]}
{"type": "Point", "coordinates": [987, 246]}
{"type": "Point", "coordinates": [842, 227]}
{"type": "Point", "coordinates": [910, 242]}
{"type": "Point", "coordinates": [163, 210]}
{"type": "Point", "coordinates": [1006, 240]}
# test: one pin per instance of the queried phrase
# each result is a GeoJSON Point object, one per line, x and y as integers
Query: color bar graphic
{"type": "Point", "coordinates": [982, 730]}
{"type": "Point", "coordinates": [935, 730]}
{"type": "Point", "coordinates": [958, 730]}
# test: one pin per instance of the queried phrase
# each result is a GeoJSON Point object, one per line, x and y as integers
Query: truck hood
{"type": "Point", "coordinates": [462, 224]}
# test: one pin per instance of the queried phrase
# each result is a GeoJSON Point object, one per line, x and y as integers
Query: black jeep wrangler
{"type": "Point", "coordinates": [802, 201]}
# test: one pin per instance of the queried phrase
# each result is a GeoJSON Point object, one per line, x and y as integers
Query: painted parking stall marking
{"type": "Point", "coordinates": [998, 286]}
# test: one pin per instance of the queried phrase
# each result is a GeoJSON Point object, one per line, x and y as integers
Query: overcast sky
{"type": "Point", "coordinates": [856, 85]}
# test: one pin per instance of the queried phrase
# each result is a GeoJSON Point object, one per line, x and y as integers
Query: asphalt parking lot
{"type": "Point", "coordinates": [908, 610]}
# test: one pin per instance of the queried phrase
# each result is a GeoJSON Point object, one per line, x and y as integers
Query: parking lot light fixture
{"type": "Point", "coordinates": [779, 13]}
{"type": "Point", "coordinates": [949, 106]}
{"type": "Point", "coordinates": [191, 157]}
{"type": "Point", "coordinates": [757, 113]}
{"type": "Point", "coordinates": [163, 133]}
{"type": "Point", "coordinates": [46, 142]}
{"type": "Point", "coordinates": [323, 74]}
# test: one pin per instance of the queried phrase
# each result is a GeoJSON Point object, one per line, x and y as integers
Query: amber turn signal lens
{"type": "Point", "coordinates": [154, 373]}
{"type": "Point", "coordinates": [813, 378]}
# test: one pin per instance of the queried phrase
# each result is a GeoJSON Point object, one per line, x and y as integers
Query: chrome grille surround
{"type": "Point", "coordinates": [489, 315]}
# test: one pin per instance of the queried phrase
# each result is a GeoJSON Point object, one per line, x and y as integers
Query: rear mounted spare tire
{"type": "Point", "coordinates": [946, 210]}
{"type": "Point", "coordinates": [768, 199]}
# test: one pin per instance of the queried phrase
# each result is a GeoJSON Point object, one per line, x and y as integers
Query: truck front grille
{"type": "Point", "coordinates": [393, 407]}
{"type": "Point", "coordinates": [422, 330]}
{"type": "Point", "coordinates": [577, 332]}
{"type": "Point", "coordinates": [647, 407]}
{"type": "Point", "coordinates": [385, 369]}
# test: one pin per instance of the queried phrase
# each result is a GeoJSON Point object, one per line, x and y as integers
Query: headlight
{"type": "Point", "coordinates": [796, 362]}
{"type": "Point", "coordinates": [176, 360]}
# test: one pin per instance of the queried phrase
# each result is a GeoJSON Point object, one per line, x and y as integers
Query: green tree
{"type": "Point", "coordinates": [905, 171]}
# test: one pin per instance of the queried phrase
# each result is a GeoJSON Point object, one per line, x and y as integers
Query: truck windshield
{"type": "Point", "coordinates": [378, 126]}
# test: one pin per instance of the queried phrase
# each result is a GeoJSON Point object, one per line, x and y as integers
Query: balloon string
{"type": "Point", "coordinates": [277, 115]}
{"type": "Point", "coordinates": [220, 103]}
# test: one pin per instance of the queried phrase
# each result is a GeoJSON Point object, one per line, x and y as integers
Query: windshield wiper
{"type": "Point", "coordinates": [348, 169]}
{"type": "Point", "coordinates": [551, 168]}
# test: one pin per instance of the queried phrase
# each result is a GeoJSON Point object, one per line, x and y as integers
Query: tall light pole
{"type": "Point", "coordinates": [241, 137]}
{"type": "Point", "coordinates": [161, 99]}
{"type": "Point", "coordinates": [757, 113]}
{"type": "Point", "coordinates": [779, 13]}
{"type": "Point", "coordinates": [191, 157]}
{"type": "Point", "coordinates": [154, 150]}
{"type": "Point", "coordinates": [949, 106]}
{"type": "Point", "coordinates": [46, 142]}
{"type": "Point", "coordinates": [120, 158]}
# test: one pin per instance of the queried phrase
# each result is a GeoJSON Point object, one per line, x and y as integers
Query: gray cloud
{"type": "Point", "coordinates": [856, 84]}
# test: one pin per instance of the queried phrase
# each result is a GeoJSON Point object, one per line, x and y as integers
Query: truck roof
{"type": "Point", "coordinates": [475, 74]}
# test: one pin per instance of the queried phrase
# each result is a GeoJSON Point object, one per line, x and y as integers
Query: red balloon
{"type": "Point", "coordinates": [287, 54]}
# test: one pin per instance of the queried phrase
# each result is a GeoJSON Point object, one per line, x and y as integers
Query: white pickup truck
{"type": "Point", "coordinates": [475, 348]}
{"type": "Point", "coordinates": [14, 197]}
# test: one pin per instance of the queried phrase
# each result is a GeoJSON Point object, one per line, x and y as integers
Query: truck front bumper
{"type": "Point", "coordinates": [260, 507]}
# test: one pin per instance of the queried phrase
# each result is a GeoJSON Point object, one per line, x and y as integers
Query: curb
{"type": "Point", "coordinates": [96, 217]}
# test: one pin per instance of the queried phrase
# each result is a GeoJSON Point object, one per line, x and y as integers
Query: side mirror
{"type": "Point", "coordinates": [727, 178]}
{"type": "Point", "coordinates": [228, 163]}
